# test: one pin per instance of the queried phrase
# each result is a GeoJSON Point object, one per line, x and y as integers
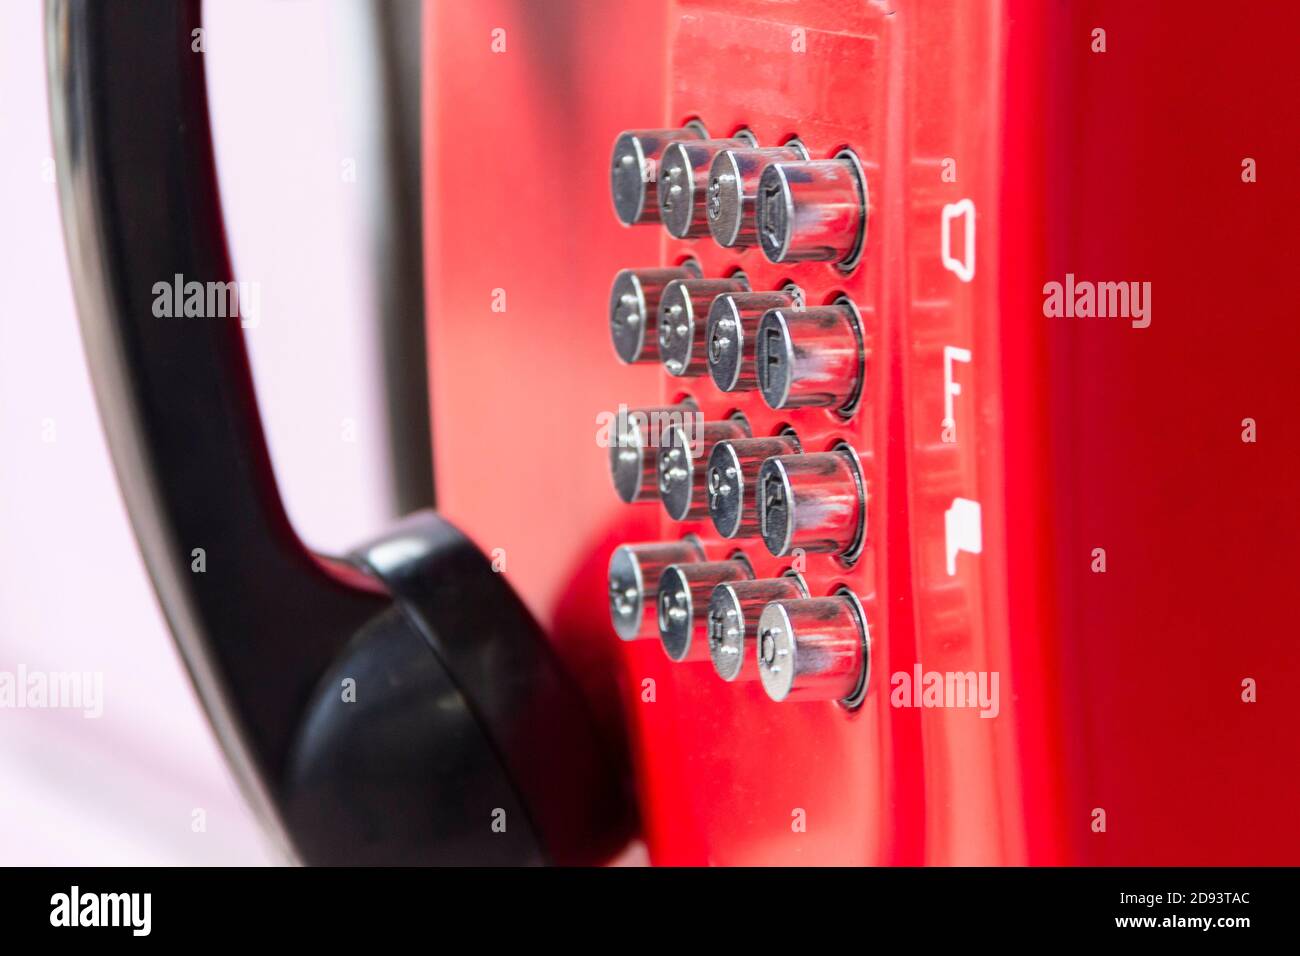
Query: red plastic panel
{"type": "Point", "coordinates": [1200, 527]}
{"type": "Point", "coordinates": [516, 149]}
{"type": "Point", "coordinates": [1117, 691]}
{"type": "Point", "coordinates": [885, 784]}
{"type": "Point", "coordinates": [749, 765]}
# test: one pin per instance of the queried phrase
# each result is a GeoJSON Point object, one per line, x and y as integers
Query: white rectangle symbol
{"type": "Point", "coordinates": [964, 268]}
{"type": "Point", "coordinates": [962, 530]}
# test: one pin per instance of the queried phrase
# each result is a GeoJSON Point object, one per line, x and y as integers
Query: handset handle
{"type": "Point", "coordinates": [412, 769]}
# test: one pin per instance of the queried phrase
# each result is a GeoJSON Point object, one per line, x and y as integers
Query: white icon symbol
{"type": "Point", "coordinates": [965, 270]}
{"type": "Point", "coordinates": [951, 388]}
{"type": "Point", "coordinates": [962, 531]}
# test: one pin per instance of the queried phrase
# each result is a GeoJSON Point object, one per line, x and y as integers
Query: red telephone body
{"type": "Point", "coordinates": [1120, 691]}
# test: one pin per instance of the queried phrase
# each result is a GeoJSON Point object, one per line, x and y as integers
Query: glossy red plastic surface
{"type": "Point", "coordinates": [1118, 691]}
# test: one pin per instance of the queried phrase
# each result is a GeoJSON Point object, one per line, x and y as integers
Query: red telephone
{"type": "Point", "coordinates": [1005, 145]}
{"type": "Point", "coordinates": [1004, 548]}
